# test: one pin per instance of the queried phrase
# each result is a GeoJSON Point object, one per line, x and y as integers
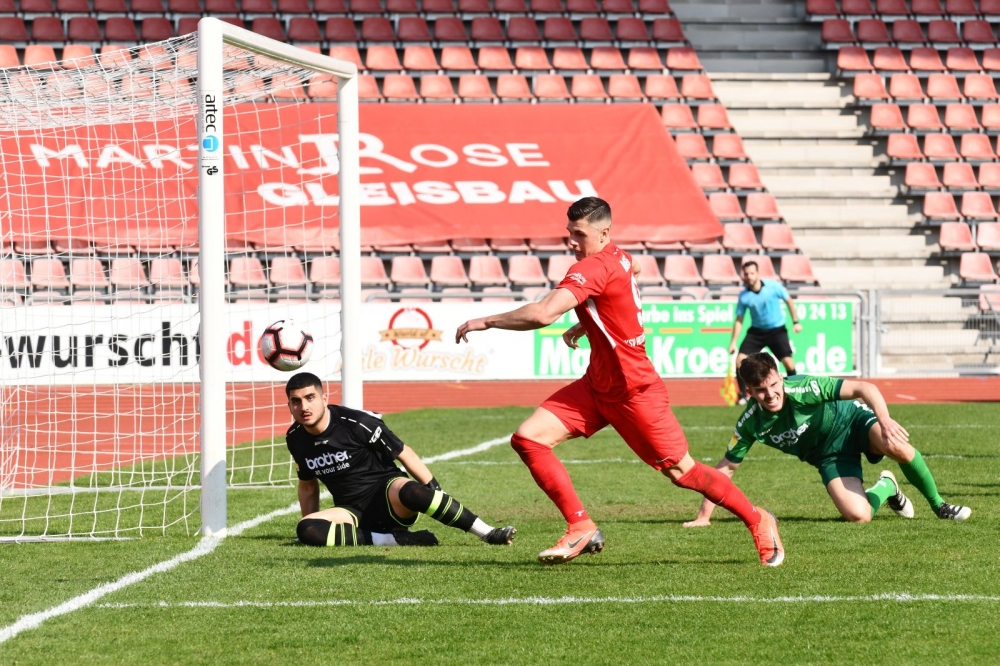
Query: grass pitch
{"type": "Point", "coordinates": [659, 593]}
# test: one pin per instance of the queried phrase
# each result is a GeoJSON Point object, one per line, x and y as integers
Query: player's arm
{"type": "Point", "coordinates": [415, 466]}
{"type": "Point", "coordinates": [528, 317]}
{"type": "Point", "coordinates": [852, 389]}
{"type": "Point", "coordinates": [737, 327]}
{"type": "Point", "coordinates": [794, 314]}
{"type": "Point", "coordinates": [703, 519]}
{"type": "Point", "coordinates": [308, 496]}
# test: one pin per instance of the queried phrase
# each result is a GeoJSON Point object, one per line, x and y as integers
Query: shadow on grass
{"type": "Point", "coordinates": [528, 563]}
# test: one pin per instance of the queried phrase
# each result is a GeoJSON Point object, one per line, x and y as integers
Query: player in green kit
{"type": "Point", "coordinates": [824, 422]}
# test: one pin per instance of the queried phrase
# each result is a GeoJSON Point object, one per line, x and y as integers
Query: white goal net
{"type": "Point", "coordinates": [131, 389]}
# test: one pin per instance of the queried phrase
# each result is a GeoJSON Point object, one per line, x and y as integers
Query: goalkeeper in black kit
{"type": "Point", "coordinates": [353, 453]}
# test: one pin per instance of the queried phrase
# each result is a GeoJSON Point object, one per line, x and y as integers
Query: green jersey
{"type": "Point", "coordinates": [811, 413]}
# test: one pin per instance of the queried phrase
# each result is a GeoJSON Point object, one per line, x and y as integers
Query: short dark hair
{"type": "Point", "coordinates": [756, 367]}
{"type": "Point", "coordinates": [301, 381]}
{"type": "Point", "coordinates": [590, 209]}
{"type": "Point", "coordinates": [747, 264]}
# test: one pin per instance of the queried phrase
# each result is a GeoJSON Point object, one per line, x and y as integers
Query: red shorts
{"type": "Point", "coordinates": [644, 421]}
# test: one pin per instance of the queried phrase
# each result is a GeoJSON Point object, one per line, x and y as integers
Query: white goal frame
{"type": "Point", "coordinates": [213, 34]}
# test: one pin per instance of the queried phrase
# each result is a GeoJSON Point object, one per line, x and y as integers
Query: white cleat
{"type": "Point", "coordinates": [899, 503]}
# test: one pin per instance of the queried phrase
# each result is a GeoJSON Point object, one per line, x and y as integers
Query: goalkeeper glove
{"type": "Point", "coordinates": [433, 484]}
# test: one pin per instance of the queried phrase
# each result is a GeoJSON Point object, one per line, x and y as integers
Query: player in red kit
{"type": "Point", "coordinates": [620, 388]}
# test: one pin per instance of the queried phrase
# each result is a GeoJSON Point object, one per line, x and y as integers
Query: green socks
{"type": "Point", "coordinates": [916, 473]}
{"type": "Point", "coordinates": [879, 493]}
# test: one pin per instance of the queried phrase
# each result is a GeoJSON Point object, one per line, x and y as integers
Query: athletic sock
{"type": "Point", "coordinates": [916, 473]}
{"type": "Point", "coordinates": [719, 489]}
{"type": "Point", "coordinates": [551, 476]}
{"type": "Point", "coordinates": [318, 532]}
{"type": "Point", "coordinates": [879, 493]}
{"type": "Point", "coordinates": [437, 504]}
{"type": "Point", "coordinates": [743, 386]}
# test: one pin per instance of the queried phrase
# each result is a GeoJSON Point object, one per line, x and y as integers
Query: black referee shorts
{"type": "Point", "coordinates": [775, 339]}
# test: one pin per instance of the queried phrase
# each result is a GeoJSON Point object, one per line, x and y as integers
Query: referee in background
{"type": "Point", "coordinates": [763, 299]}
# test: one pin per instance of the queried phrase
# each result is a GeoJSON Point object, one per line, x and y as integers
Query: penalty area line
{"type": "Point", "coordinates": [205, 546]}
{"type": "Point", "coordinates": [892, 597]}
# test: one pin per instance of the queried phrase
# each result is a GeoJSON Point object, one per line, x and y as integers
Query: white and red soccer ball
{"type": "Point", "coordinates": [285, 346]}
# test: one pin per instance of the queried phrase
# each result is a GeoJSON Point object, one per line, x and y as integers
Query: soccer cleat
{"type": "Point", "coordinates": [576, 541]}
{"type": "Point", "coordinates": [421, 538]}
{"type": "Point", "coordinates": [899, 503]}
{"type": "Point", "coordinates": [500, 536]}
{"type": "Point", "coordinates": [953, 512]}
{"type": "Point", "coordinates": [767, 540]}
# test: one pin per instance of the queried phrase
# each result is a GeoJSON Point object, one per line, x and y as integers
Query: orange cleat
{"type": "Point", "coordinates": [765, 537]}
{"type": "Point", "coordinates": [579, 538]}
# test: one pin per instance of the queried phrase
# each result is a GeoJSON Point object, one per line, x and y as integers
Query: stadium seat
{"type": "Point", "coordinates": [729, 148]}
{"type": "Point", "coordinates": [726, 206]}
{"type": "Point", "coordinates": [697, 88]}
{"type": "Point", "coordinates": [824, 7]}
{"type": "Point", "coordinates": [399, 88]}
{"type": "Point", "coordinates": [594, 30]}
{"type": "Point", "coordinates": [532, 58]}
{"type": "Point", "coordinates": [976, 267]}
{"type": "Point", "coordinates": [989, 298]}
{"type": "Point", "coordinates": [34, 54]}
{"type": "Point", "coordinates": [904, 87]}
{"type": "Point", "coordinates": [644, 59]}
{"type": "Point", "coordinates": [495, 58]}
{"type": "Point", "coordinates": [582, 7]}
{"type": "Point", "coordinates": [942, 32]}
{"type": "Point", "coordinates": [903, 148]}
{"type": "Point", "coordinates": [838, 31]}
{"type": "Point", "coordinates": [631, 31]}
{"type": "Point", "coordinates": [625, 87]}
{"type": "Point", "coordinates": [942, 88]}
{"type": "Point", "coordinates": [513, 88]}
{"type": "Point", "coordinates": [546, 246]}
{"type": "Point", "coordinates": [961, 118]}
{"type": "Point", "coordinates": [551, 88]}
{"type": "Point", "coordinates": [959, 176]}
{"type": "Point", "coordinates": [906, 32]}
{"type": "Point", "coordinates": [857, 8]}
{"type": "Point", "coordinates": [542, 7]}
{"type": "Point", "coordinates": [324, 87]}
{"type": "Point", "coordinates": [128, 273]}
{"type": "Point", "coordinates": [978, 32]}
{"type": "Point", "coordinates": [158, 28]}
{"type": "Point", "coordinates": [676, 117]}
{"type": "Point", "coordinates": [681, 269]}
{"type": "Point", "coordinates": [251, 8]}
{"type": "Point", "coordinates": [420, 58]}
{"type": "Point", "coordinates": [402, 7]}
{"type": "Point", "coordinates": [872, 31]}
{"type": "Point", "coordinates": [978, 206]}
{"type": "Point", "coordinates": [887, 118]}
{"type": "Point", "coordinates": [324, 274]}
{"type": "Point", "coordinates": [926, 8]}
{"type": "Point", "coordinates": [467, 247]}
{"type": "Point", "coordinates": [604, 58]}
{"type": "Point", "coordinates": [48, 273]}
{"type": "Point", "coordinates": [413, 29]}
{"type": "Point", "coordinates": [270, 27]}
{"type": "Point", "coordinates": [988, 236]}
{"type": "Point", "coordinates": [797, 268]}
{"type": "Point", "coordinates": [569, 59]}
{"type": "Point", "coordinates": [455, 59]}
{"type": "Point", "coordinates": [869, 88]}
{"type": "Point", "coordinates": [450, 29]}
{"type": "Point", "coordinates": [961, 59]}
{"type": "Point", "coordinates": [719, 269]}
{"type": "Point", "coordinates": [989, 177]}
{"type": "Point", "coordinates": [294, 7]}
{"type": "Point", "coordinates": [940, 148]}
{"type": "Point", "coordinates": [448, 271]}
{"type": "Point", "coordinates": [778, 238]}
{"type": "Point", "coordinates": [13, 276]}
{"type": "Point", "coordinates": [486, 270]}
{"type": "Point", "coordinates": [247, 272]}
{"type": "Point", "coordinates": [438, 7]}
{"type": "Point", "coordinates": [47, 29]}
{"type": "Point", "coordinates": [588, 88]}
{"type": "Point", "coordinates": [373, 272]}
{"type": "Point", "coordinates": [525, 270]}
{"type": "Point", "coordinates": [744, 177]}
{"type": "Point", "coordinates": [409, 272]}
{"type": "Point", "coordinates": [437, 88]}
{"type": "Point", "coordinates": [979, 88]}
{"type": "Point", "coordinates": [524, 30]}
{"type": "Point", "coordinates": [301, 29]}
{"type": "Point", "coordinates": [990, 118]}
{"type": "Point", "coordinates": [709, 177]}
{"type": "Point", "coordinates": [168, 273]}
{"type": "Point", "coordinates": [683, 58]}
{"type": "Point", "coordinates": [382, 58]}
{"type": "Point", "coordinates": [340, 29]}
{"type": "Point", "coordinates": [668, 30]}
{"type": "Point", "coordinates": [509, 7]}
{"type": "Point", "coordinates": [714, 117]}
{"type": "Point", "coordinates": [889, 59]}
{"type": "Point", "coordinates": [8, 55]}
{"type": "Point", "coordinates": [762, 206]}
{"type": "Point", "coordinates": [377, 29]}
{"type": "Point", "coordinates": [475, 88]}
{"type": "Point", "coordinates": [940, 206]}
{"type": "Point", "coordinates": [853, 59]}
{"type": "Point", "coordinates": [765, 267]}
{"type": "Point", "coordinates": [923, 118]}
{"type": "Point", "coordinates": [663, 87]}
{"type": "Point", "coordinates": [956, 237]}
{"type": "Point", "coordinates": [558, 266]}
{"type": "Point", "coordinates": [739, 238]}
{"type": "Point", "coordinates": [690, 146]}
{"type": "Point", "coordinates": [649, 271]}
{"type": "Point", "coordinates": [991, 60]}
{"type": "Point", "coordinates": [921, 176]}
{"type": "Point", "coordinates": [504, 246]}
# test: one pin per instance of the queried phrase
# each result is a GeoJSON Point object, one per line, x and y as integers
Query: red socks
{"type": "Point", "coordinates": [552, 477]}
{"type": "Point", "coordinates": [720, 489]}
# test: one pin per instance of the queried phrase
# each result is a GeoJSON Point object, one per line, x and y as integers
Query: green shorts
{"type": "Point", "coordinates": [842, 453]}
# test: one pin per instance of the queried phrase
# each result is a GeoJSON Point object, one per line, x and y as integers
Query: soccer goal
{"type": "Point", "coordinates": [162, 205]}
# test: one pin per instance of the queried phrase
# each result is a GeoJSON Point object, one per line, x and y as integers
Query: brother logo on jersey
{"type": "Point", "coordinates": [328, 460]}
{"type": "Point", "coordinates": [789, 437]}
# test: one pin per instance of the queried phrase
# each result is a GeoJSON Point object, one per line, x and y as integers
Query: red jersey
{"type": "Point", "coordinates": [611, 313]}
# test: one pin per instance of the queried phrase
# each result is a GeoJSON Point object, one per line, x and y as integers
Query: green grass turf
{"type": "Point", "coordinates": [649, 556]}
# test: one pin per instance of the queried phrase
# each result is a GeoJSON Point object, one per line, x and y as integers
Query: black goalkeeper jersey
{"type": "Point", "coordinates": [353, 457]}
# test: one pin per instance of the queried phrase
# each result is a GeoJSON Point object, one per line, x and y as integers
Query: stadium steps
{"type": "Point", "coordinates": [894, 251]}
{"type": "Point", "coordinates": [868, 274]}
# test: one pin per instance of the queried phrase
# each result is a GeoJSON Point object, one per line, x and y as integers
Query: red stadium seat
{"type": "Point", "coordinates": [921, 176]}
{"type": "Point", "coordinates": [8, 55]}
{"type": "Point", "coordinates": [990, 117]}
{"type": "Point", "coordinates": [726, 206]}
{"type": "Point", "coordinates": [961, 59]}
{"type": "Point", "coordinates": [980, 88]}
{"type": "Point", "coordinates": [568, 59]}
{"type": "Point", "coordinates": [377, 29]}
{"type": "Point", "coordinates": [870, 87]}
{"type": "Point", "coordinates": [719, 269]}
{"type": "Point", "coordinates": [525, 270]}
{"type": "Point", "coordinates": [618, 7]}
{"type": "Point", "coordinates": [988, 236]}
{"type": "Point", "coordinates": [475, 88]}
{"type": "Point", "coordinates": [683, 58]}
{"type": "Point", "coordinates": [158, 28]}
{"type": "Point", "coordinates": [977, 148]}
{"type": "Point", "coordinates": [457, 59]}
{"type": "Point", "coordinates": [247, 272]}
{"type": "Point", "coordinates": [663, 87]}
{"type": "Point", "coordinates": [765, 267]}
{"type": "Point", "coordinates": [976, 267]}
{"type": "Point", "coordinates": [399, 88]}
{"type": "Point", "coordinates": [546, 7]}
{"type": "Point", "coordinates": [940, 206]}
{"type": "Point", "coordinates": [924, 118]}
{"type": "Point", "coordinates": [739, 238]}
{"type": "Point", "coordinates": [778, 238]}
{"type": "Point", "coordinates": [745, 177]}
{"type": "Point", "coordinates": [324, 86]}
{"type": "Point", "coordinates": [887, 118]}
{"type": "Point", "coordinates": [420, 58]}
{"type": "Point", "coordinates": [676, 117]}
{"type": "Point", "coordinates": [373, 272]}
{"type": "Point", "coordinates": [943, 32]}
{"type": "Point", "coordinates": [956, 237]}
{"type": "Point", "coordinates": [119, 29]}
{"type": "Point", "coordinates": [48, 29]}
{"type": "Point", "coordinates": [654, 7]}
{"type": "Point", "coordinates": [450, 29]}
{"type": "Point", "coordinates": [87, 273]}
{"type": "Point", "coordinates": [14, 30]}
{"type": "Point", "coordinates": [468, 8]}
{"type": "Point", "coordinates": [588, 88]}
{"type": "Point", "coordinates": [513, 87]}
{"type": "Point", "coordinates": [340, 29]}
{"type": "Point", "coordinates": [943, 87]}
{"type": "Point", "coordinates": [13, 276]}
{"type": "Point", "coordinates": [559, 265]}
{"type": "Point", "coordinates": [857, 8]}
{"type": "Point", "coordinates": [47, 273]}
{"type": "Point", "coordinates": [34, 54]}
{"type": "Point", "coordinates": [708, 176]}
{"type": "Point", "coordinates": [690, 146]}
{"type": "Point", "coordinates": [978, 32]}
{"type": "Point", "coordinates": [211, 6]}
{"type": "Point", "coordinates": [632, 30]}
{"type": "Point", "coordinates": [625, 87]}
{"type": "Point", "coordinates": [551, 87]}
{"type": "Point", "coordinates": [926, 8]}
{"type": "Point", "coordinates": [437, 88]}
{"type": "Point", "coordinates": [532, 58]}
{"type": "Point", "coordinates": [649, 271]}
{"type": "Point", "coordinates": [603, 58]}
{"type": "Point", "coordinates": [469, 246]}
{"type": "Point", "coordinates": [252, 7]}
{"type": "Point", "coordinates": [838, 31]}
{"type": "Point", "coordinates": [167, 273]}
{"type": "Point", "coordinates": [822, 7]}
{"type": "Point", "coordinates": [889, 59]}
{"type": "Point", "coordinates": [729, 147]}
{"type": "Point", "coordinates": [324, 274]}
{"type": "Point", "coordinates": [359, 7]}
{"type": "Point", "coordinates": [939, 147]}
{"type": "Point", "coordinates": [294, 7]}
{"type": "Point", "coordinates": [642, 58]}
{"type": "Point", "coordinates": [382, 58]}
{"type": "Point", "coordinates": [989, 176]}
{"type": "Point", "coordinates": [128, 273]}
{"type": "Point", "coordinates": [989, 8]}
{"type": "Point", "coordinates": [852, 59]}
{"type": "Point", "coordinates": [495, 58]}
{"type": "Point", "coordinates": [520, 29]}
{"type": "Point", "coordinates": [697, 87]}
{"type": "Point", "coordinates": [681, 269]}
{"type": "Point", "coordinates": [873, 31]}
{"type": "Point", "coordinates": [762, 206]}
{"type": "Point", "coordinates": [978, 206]}
{"type": "Point", "coordinates": [961, 118]}
{"type": "Point", "coordinates": [713, 117]}
{"type": "Point", "coordinates": [668, 30]}
{"type": "Point", "coordinates": [906, 31]}
{"type": "Point", "coordinates": [437, 7]}
{"type": "Point", "coordinates": [413, 29]}
{"type": "Point", "coordinates": [401, 7]}
{"type": "Point", "coordinates": [486, 270]}
{"type": "Point", "coordinates": [409, 272]}
{"type": "Point", "coordinates": [904, 87]}
{"type": "Point", "coordinates": [797, 268]}
{"type": "Point", "coordinates": [596, 30]}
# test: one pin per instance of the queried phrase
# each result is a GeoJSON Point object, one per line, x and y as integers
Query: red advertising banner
{"type": "Point", "coordinates": [428, 173]}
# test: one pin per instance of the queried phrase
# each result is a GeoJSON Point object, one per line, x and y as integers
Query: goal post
{"type": "Point", "coordinates": [213, 34]}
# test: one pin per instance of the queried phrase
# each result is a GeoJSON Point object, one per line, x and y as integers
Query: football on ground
{"type": "Point", "coordinates": [285, 346]}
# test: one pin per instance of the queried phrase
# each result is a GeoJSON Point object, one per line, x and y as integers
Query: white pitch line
{"type": "Point", "coordinates": [205, 546]}
{"type": "Point", "coordinates": [894, 597]}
